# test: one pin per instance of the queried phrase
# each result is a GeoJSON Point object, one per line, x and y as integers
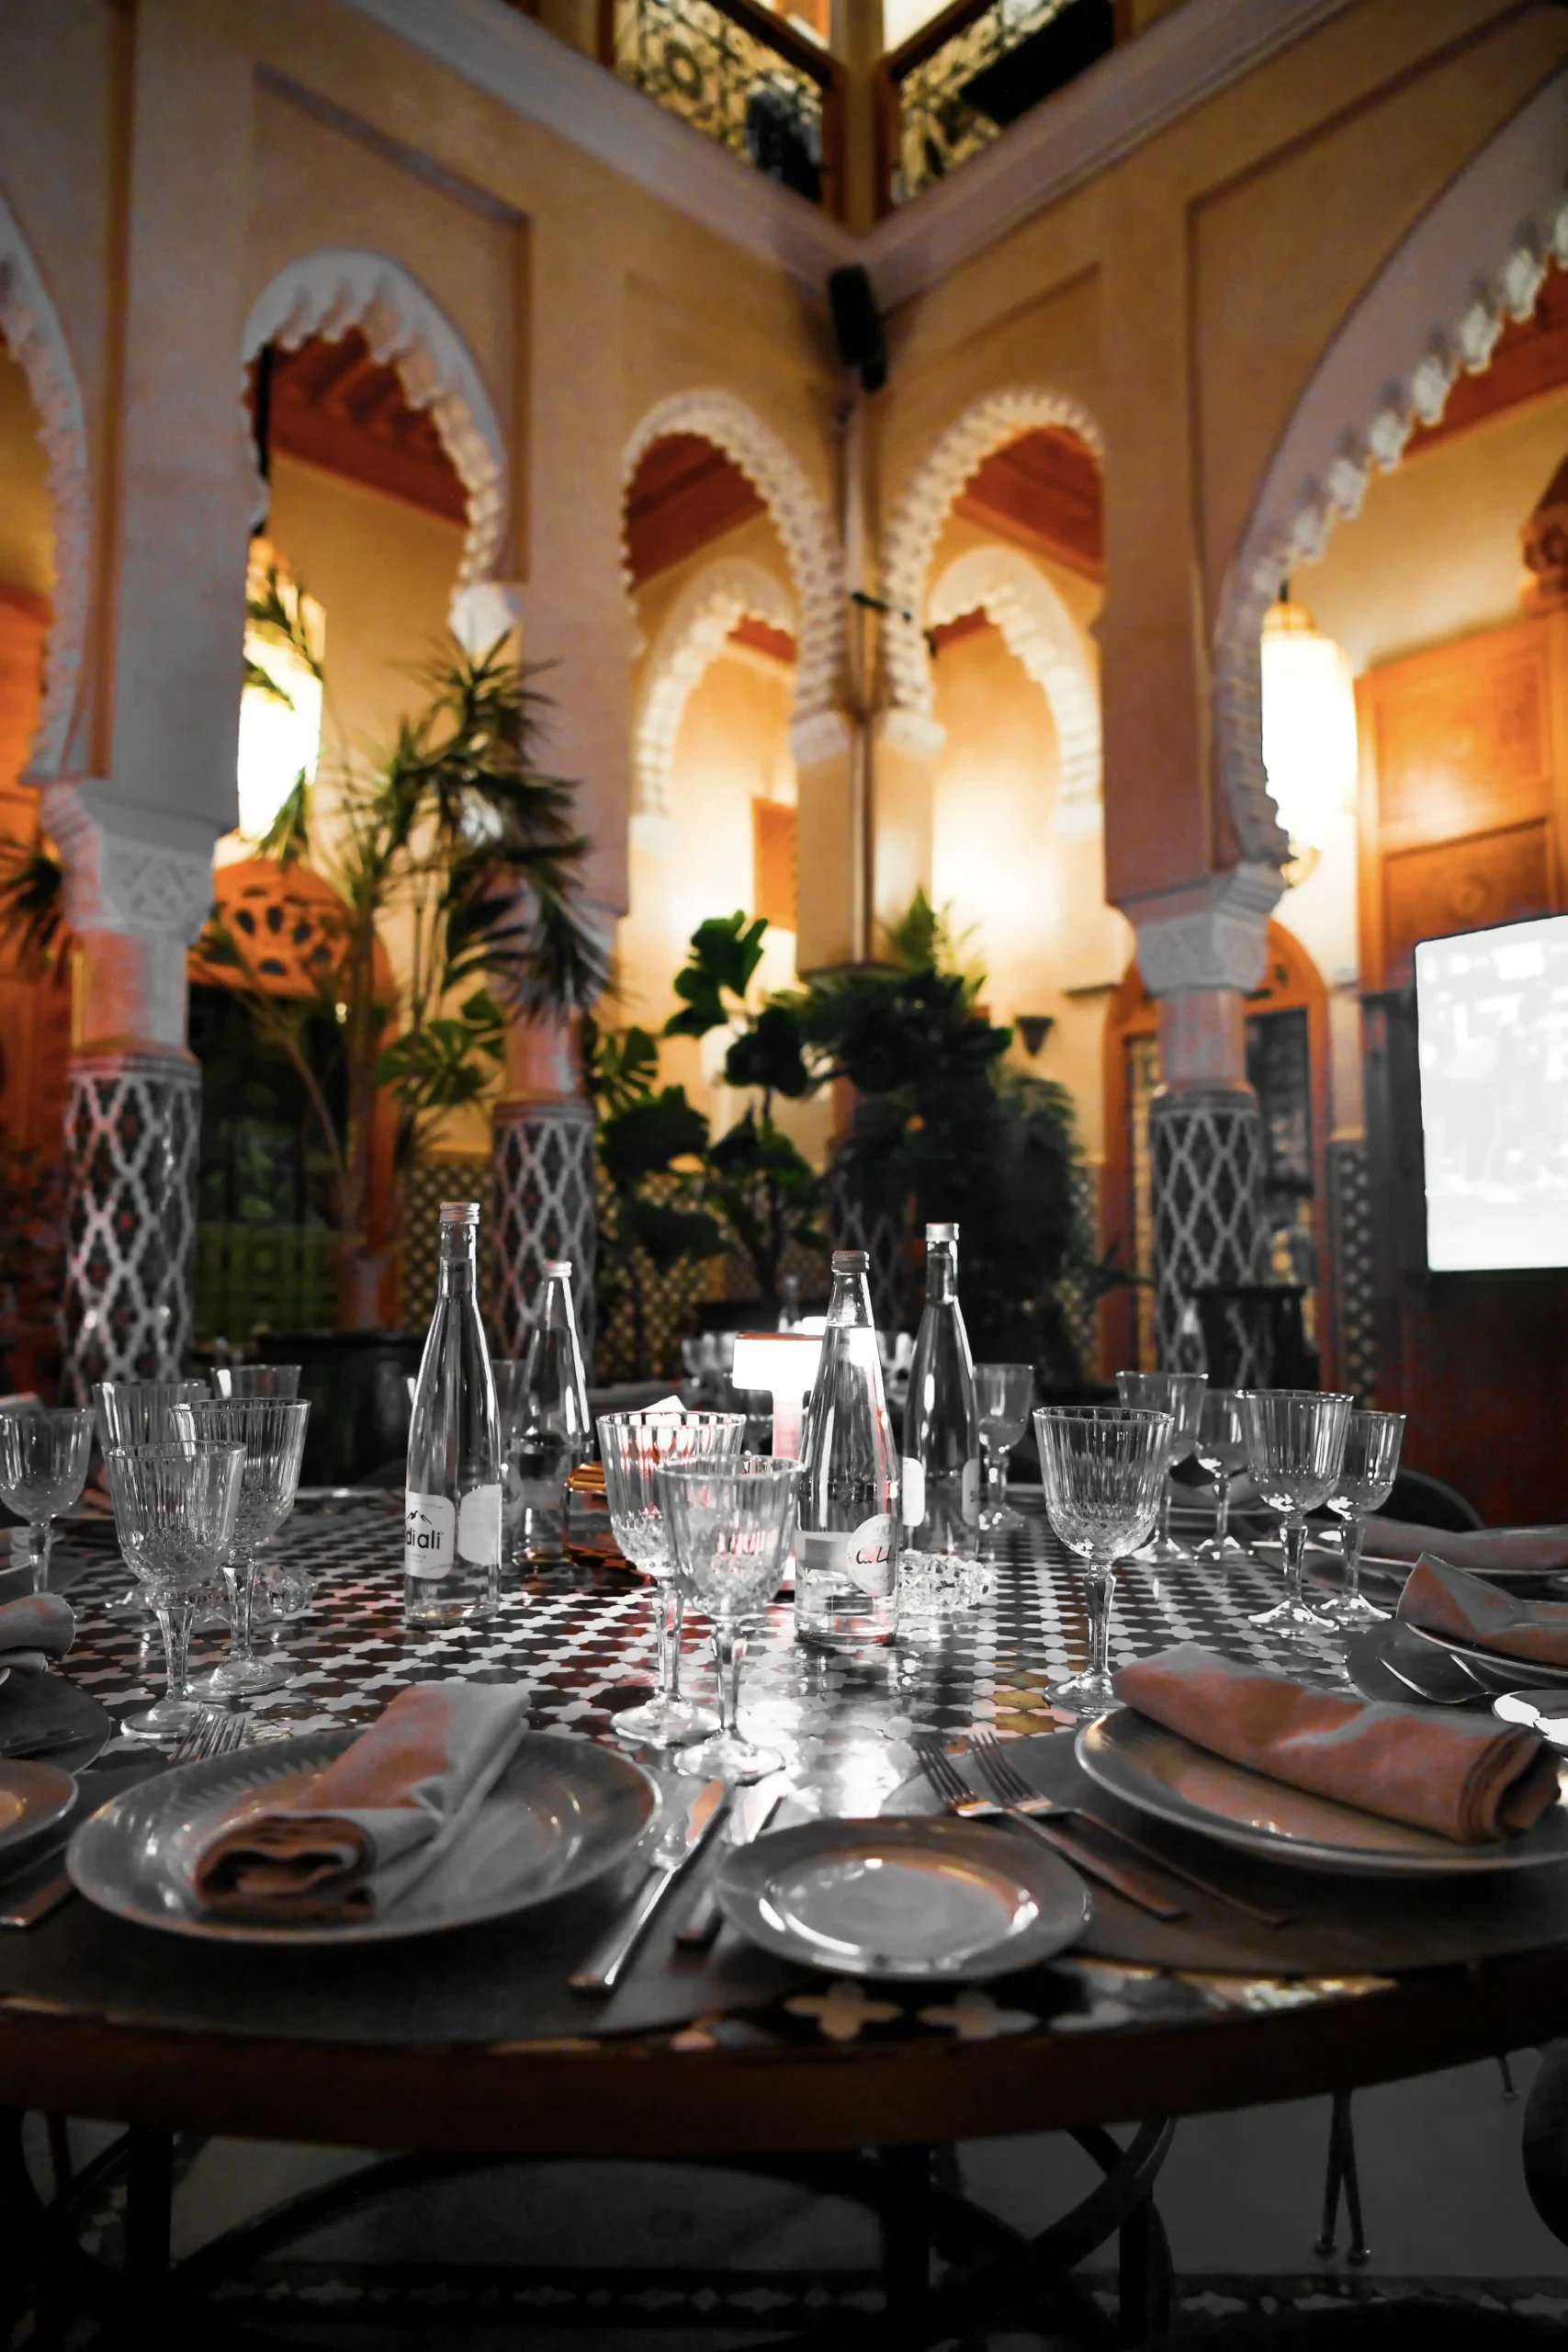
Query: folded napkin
{"type": "Point", "coordinates": [1542, 1548]}
{"type": "Point", "coordinates": [348, 1842]}
{"type": "Point", "coordinates": [34, 1630]}
{"type": "Point", "coordinates": [1468, 1777]}
{"type": "Point", "coordinates": [1443, 1599]}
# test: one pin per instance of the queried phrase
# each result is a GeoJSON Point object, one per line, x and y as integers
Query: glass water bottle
{"type": "Point", "coordinates": [452, 1501]}
{"type": "Point", "coordinates": [941, 1428]}
{"type": "Point", "coordinates": [846, 1547]}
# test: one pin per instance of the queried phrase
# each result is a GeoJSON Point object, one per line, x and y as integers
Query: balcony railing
{"type": "Point", "coordinates": [956, 84]}
{"type": "Point", "coordinates": [741, 77]}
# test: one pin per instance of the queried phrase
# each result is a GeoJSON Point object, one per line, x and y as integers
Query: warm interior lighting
{"type": "Point", "coordinates": [783, 1364]}
{"type": "Point", "coordinates": [280, 730]}
{"type": "Point", "coordinates": [1309, 728]}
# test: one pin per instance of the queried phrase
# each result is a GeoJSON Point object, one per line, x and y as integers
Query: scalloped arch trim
{"type": "Point", "coordinates": [339, 287]}
{"type": "Point", "coordinates": [1475, 259]}
{"type": "Point", "coordinates": [36, 341]}
{"type": "Point", "coordinates": [986, 426]}
{"type": "Point", "coordinates": [1036, 627]}
{"type": "Point", "coordinates": [692, 636]}
{"type": "Point", "coordinates": [798, 514]}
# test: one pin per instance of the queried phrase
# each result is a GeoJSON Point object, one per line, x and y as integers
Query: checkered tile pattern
{"type": "Point", "coordinates": [583, 1639]}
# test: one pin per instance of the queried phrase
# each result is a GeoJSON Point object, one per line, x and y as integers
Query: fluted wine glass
{"type": "Point", "coordinates": [271, 1432]}
{"type": "Point", "coordinates": [632, 1447]}
{"type": "Point", "coordinates": [1220, 1448]}
{"type": "Point", "coordinates": [142, 1412]}
{"type": "Point", "coordinates": [1179, 1394]}
{"type": "Point", "coordinates": [1295, 1445]}
{"type": "Point", "coordinates": [1367, 1472]}
{"type": "Point", "coordinates": [44, 1452]}
{"type": "Point", "coordinates": [1102, 1467]}
{"type": "Point", "coordinates": [174, 1511]}
{"type": "Point", "coordinates": [1003, 1393]}
{"type": "Point", "coordinates": [256, 1380]}
{"type": "Point", "coordinates": [731, 1525]}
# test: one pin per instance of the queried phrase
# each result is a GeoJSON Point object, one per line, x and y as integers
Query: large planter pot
{"type": "Point", "coordinates": [357, 1385]}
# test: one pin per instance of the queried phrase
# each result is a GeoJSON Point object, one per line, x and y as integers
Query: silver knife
{"type": "Point", "coordinates": [748, 1817]}
{"type": "Point", "coordinates": [600, 1973]}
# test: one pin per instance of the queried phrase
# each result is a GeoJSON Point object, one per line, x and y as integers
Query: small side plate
{"type": "Point", "coordinates": [907, 1898]}
{"type": "Point", "coordinates": [33, 1798]}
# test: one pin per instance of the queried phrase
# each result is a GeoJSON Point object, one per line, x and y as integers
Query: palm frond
{"type": "Point", "coordinates": [32, 903]}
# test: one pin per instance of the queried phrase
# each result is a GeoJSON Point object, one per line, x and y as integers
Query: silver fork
{"type": "Point", "coordinates": [956, 1797]}
{"type": "Point", "coordinates": [1007, 1784]}
{"type": "Point", "coordinates": [215, 1734]}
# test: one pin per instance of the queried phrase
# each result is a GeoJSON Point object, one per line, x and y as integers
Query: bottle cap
{"type": "Point", "coordinates": [459, 1212]}
{"type": "Point", "coordinates": [557, 1266]}
{"type": "Point", "coordinates": [852, 1262]}
{"type": "Point", "coordinates": [935, 1233]}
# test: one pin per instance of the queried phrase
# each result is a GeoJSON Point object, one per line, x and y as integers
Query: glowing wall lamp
{"type": "Point", "coordinates": [1309, 729]}
{"type": "Point", "coordinates": [783, 1364]}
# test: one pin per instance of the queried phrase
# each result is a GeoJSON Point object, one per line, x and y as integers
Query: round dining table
{"type": "Point", "coordinates": [471, 2046]}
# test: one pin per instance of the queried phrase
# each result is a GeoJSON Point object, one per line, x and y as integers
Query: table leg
{"type": "Point", "coordinates": [906, 2246]}
{"type": "Point", "coordinates": [149, 2192]}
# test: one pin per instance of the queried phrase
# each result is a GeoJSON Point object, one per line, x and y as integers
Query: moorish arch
{"type": "Point", "coordinates": [693, 633]}
{"type": "Point", "coordinates": [1475, 260]}
{"type": "Point", "coordinates": [338, 287]}
{"type": "Point", "coordinates": [798, 514]}
{"type": "Point", "coordinates": [1040, 632]}
{"type": "Point", "coordinates": [35, 338]}
{"type": "Point", "coordinates": [983, 429]}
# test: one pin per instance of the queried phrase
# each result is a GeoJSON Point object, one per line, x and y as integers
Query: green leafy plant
{"type": "Point", "coordinates": [651, 1142]}
{"type": "Point", "coordinates": [457, 834]}
{"type": "Point", "coordinates": [764, 1190]}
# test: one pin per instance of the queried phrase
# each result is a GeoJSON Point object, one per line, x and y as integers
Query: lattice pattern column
{"type": "Point", "coordinates": [543, 1175]}
{"type": "Point", "coordinates": [132, 1125]}
{"type": "Point", "coordinates": [1206, 1154]}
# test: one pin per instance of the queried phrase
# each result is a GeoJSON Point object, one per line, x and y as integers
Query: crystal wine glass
{"type": "Point", "coordinates": [1220, 1450]}
{"type": "Point", "coordinates": [1003, 1393]}
{"type": "Point", "coordinates": [1179, 1394]}
{"type": "Point", "coordinates": [271, 1431]}
{"type": "Point", "coordinates": [142, 1412]}
{"type": "Point", "coordinates": [1295, 1443]}
{"type": "Point", "coordinates": [1102, 1467]}
{"type": "Point", "coordinates": [174, 1511]}
{"type": "Point", "coordinates": [1365, 1481]}
{"type": "Point", "coordinates": [256, 1380]}
{"type": "Point", "coordinates": [44, 1452]}
{"type": "Point", "coordinates": [731, 1525]}
{"type": "Point", "coordinates": [632, 1446]}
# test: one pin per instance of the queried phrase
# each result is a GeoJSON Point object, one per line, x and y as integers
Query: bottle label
{"type": "Point", "coordinates": [914, 1492]}
{"type": "Point", "coordinates": [430, 1535]}
{"type": "Point", "coordinates": [862, 1556]}
{"type": "Point", "coordinates": [479, 1526]}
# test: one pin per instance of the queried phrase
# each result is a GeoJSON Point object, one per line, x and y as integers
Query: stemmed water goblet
{"type": "Point", "coordinates": [1365, 1481]}
{"type": "Point", "coordinates": [174, 1511]}
{"type": "Point", "coordinates": [44, 1452]}
{"type": "Point", "coordinates": [270, 1433]}
{"type": "Point", "coordinates": [1220, 1448]}
{"type": "Point", "coordinates": [632, 1447]}
{"type": "Point", "coordinates": [142, 1412]}
{"type": "Point", "coordinates": [1003, 1393]}
{"type": "Point", "coordinates": [731, 1525]}
{"type": "Point", "coordinates": [1180, 1395]}
{"type": "Point", "coordinates": [1295, 1445]}
{"type": "Point", "coordinates": [1102, 1467]}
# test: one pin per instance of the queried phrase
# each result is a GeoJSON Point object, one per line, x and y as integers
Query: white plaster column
{"type": "Point", "coordinates": [1201, 951]}
{"type": "Point", "coordinates": [138, 889]}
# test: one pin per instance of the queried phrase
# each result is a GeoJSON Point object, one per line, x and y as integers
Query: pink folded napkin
{"type": "Point", "coordinates": [1486, 1547]}
{"type": "Point", "coordinates": [34, 1630]}
{"type": "Point", "coordinates": [349, 1840]}
{"type": "Point", "coordinates": [1468, 1777]}
{"type": "Point", "coordinates": [1443, 1599]}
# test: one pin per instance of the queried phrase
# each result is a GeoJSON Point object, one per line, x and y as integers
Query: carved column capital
{"type": "Point", "coordinates": [144, 873]}
{"type": "Point", "coordinates": [1212, 935]}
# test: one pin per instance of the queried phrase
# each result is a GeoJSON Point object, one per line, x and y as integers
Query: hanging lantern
{"type": "Point", "coordinates": [1309, 729]}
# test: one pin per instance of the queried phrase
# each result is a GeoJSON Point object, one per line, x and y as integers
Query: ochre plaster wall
{"type": "Point", "coordinates": [26, 532]}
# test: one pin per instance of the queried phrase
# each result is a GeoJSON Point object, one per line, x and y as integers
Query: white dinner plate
{"type": "Point", "coordinates": [1159, 1772]}
{"type": "Point", "coordinates": [1502, 1673]}
{"type": "Point", "coordinates": [33, 1798]}
{"type": "Point", "coordinates": [563, 1812]}
{"type": "Point", "coordinates": [905, 1896]}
